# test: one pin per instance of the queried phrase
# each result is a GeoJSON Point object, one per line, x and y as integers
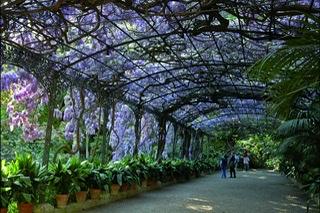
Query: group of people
{"type": "Point", "coordinates": [232, 162]}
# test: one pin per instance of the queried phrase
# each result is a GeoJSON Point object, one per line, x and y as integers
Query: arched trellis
{"type": "Point", "coordinates": [54, 80]}
{"type": "Point", "coordinates": [188, 65]}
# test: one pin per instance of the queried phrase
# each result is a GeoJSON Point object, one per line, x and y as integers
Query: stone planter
{"type": "Point", "coordinates": [62, 200]}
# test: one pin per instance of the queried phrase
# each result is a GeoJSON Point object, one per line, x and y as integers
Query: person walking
{"type": "Point", "coordinates": [237, 160]}
{"type": "Point", "coordinates": [223, 166]}
{"type": "Point", "coordinates": [232, 166]}
{"type": "Point", "coordinates": [246, 161]}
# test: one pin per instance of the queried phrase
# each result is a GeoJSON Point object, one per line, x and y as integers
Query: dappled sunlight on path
{"type": "Point", "coordinates": [254, 191]}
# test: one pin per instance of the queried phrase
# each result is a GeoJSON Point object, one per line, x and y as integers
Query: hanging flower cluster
{"type": "Point", "coordinates": [25, 96]}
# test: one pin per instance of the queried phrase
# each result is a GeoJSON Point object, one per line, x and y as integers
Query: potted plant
{"type": "Point", "coordinates": [139, 169]}
{"type": "Point", "coordinates": [5, 189]}
{"type": "Point", "coordinates": [154, 173]}
{"type": "Point", "coordinates": [60, 177]}
{"type": "Point", "coordinates": [22, 192]}
{"type": "Point", "coordinates": [79, 173]}
{"type": "Point", "coordinates": [129, 178]}
{"type": "Point", "coordinates": [24, 176]}
{"type": "Point", "coordinates": [98, 179]}
{"type": "Point", "coordinates": [116, 177]}
{"type": "Point", "coordinates": [168, 171]}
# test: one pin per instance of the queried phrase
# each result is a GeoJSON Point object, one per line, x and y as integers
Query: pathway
{"type": "Point", "coordinates": [259, 191]}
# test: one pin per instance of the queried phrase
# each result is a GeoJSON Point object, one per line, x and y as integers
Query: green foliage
{"type": "Point", "coordinates": [98, 177]}
{"type": "Point", "coordinates": [122, 173]}
{"type": "Point", "coordinates": [25, 181]}
{"type": "Point", "coordinates": [79, 172]}
{"type": "Point", "coordinates": [25, 176]}
{"type": "Point", "coordinates": [225, 137]}
{"type": "Point", "coordinates": [5, 186]}
{"type": "Point", "coordinates": [262, 149]}
{"type": "Point", "coordinates": [294, 73]}
{"type": "Point", "coordinates": [43, 117]}
{"type": "Point", "coordinates": [59, 177]}
{"type": "Point", "coordinates": [294, 69]}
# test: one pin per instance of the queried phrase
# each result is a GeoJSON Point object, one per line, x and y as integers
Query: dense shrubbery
{"type": "Point", "coordinates": [23, 180]}
{"type": "Point", "coordinates": [262, 149]}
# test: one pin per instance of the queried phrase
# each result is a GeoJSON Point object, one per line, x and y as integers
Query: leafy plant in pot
{"type": "Point", "coordinates": [5, 189]}
{"type": "Point", "coordinates": [79, 172]}
{"type": "Point", "coordinates": [60, 177]}
{"type": "Point", "coordinates": [123, 176]}
{"type": "Point", "coordinates": [144, 170]}
{"type": "Point", "coordinates": [22, 192]}
{"type": "Point", "coordinates": [139, 169]}
{"type": "Point", "coordinates": [168, 171]}
{"type": "Point", "coordinates": [98, 179]}
{"type": "Point", "coordinates": [24, 175]}
{"type": "Point", "coordinates": [116, 177]}
{"type": "Point", "coordinates": [154, 173]}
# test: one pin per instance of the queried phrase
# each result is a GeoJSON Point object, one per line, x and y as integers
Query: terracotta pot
{"type": "Point", "coordinates": [25, 207]}
{"type": "Point", "coordinates": [124, 187]}
{"type": "Point", "coordinates": [133, 188]}
{"type": "Point", "coordinates": [144, 183]}
{"type": "Point", "coordinates": [95, 194]}
{"type": "Point", "coordinates": [152, 183]}
{"type": "Point", "coordinates": [81, 196]}
{"type": "Point", "coordinates": [62, 200]}
{"type": "Point", "coordinates": [3, 210]}
{"type": "Point", "coordinates": [115, 188]}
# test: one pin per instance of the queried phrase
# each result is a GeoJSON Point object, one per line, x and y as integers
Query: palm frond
{"type": "Point", "coordinates": [295, 126]}
{"type": "Point", "coordinates": [291, 70]}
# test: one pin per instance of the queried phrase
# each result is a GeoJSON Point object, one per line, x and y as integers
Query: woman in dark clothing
{"type": "Point", "coordinates": [232, 166]}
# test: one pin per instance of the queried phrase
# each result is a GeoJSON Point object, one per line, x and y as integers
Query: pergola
{"type": "Point", "coordinates": [184, 61]}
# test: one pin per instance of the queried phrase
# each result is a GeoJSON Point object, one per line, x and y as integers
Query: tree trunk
{"type": "Point", "coordinates": [162, 137]}
{"type": "Point", "coordinates": [196, 146]}
{"type": "Point", "coordinates": [193, 145]}
{"type": "Point", "coordinates": [174, 140]}
{"type": "Point", "coordinates": [104, 134]}
{"type": "Point", "coordinates": [187, 154]}
{"type": "Point", "coordinates": [82, 141]}
{"type": "Point", "coordinates": [87, 146]}
{"type": "Point", "coordinates": [47, 139]}
{"type": "Point", "coordinates": [137, 130]}
{"type": "Point", "coordinates": [185, 144]}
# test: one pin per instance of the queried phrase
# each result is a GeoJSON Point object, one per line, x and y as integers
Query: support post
{"type": "Point", "coordinates": [52, 92]}
{"type": "Point", "coordinates": [162, 136]}
{"type": "Point", "coordinates": [105, 133]}
{"type": "Point", "coordinates": [185, 144]}
{"type": "Point", "coordinates": [137, 128]}
{"type": "Point", "coordinates": [174, 139]}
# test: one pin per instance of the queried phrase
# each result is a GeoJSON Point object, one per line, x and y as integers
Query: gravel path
{"type": "Point", "coordinates": [254, 191]}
